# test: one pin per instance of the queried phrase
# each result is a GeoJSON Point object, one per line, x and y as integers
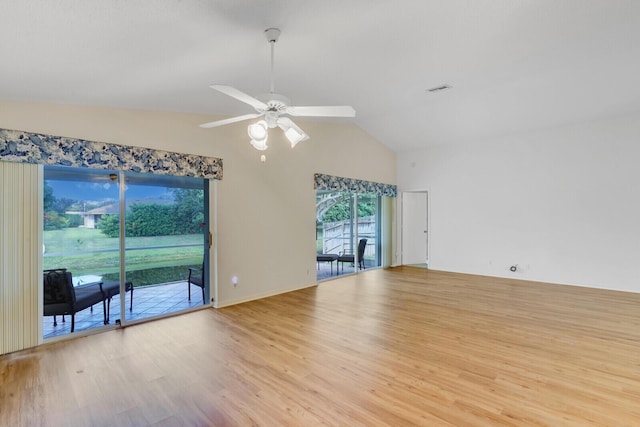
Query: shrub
{"type": "Point", "coordinates": [150, 219]}
{"type": "Point", "coordinates": [54, 221]}
{"type": "Point", "coordinates": [109, 225]}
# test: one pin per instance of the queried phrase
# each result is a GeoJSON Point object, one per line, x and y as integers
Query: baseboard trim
{"type": "Point", "coordinates": [254, 297]}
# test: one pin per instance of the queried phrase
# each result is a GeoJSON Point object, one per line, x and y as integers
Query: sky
{"type": "Point", "coordinates": [97, 192]}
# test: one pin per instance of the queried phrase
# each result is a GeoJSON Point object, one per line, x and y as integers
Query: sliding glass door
{"type": "Point", "coordinates": [348, 232]}
{"type": "Point", "coordinates": [165, 230]}
{"type": "Point", "coordinates": [143, 237]}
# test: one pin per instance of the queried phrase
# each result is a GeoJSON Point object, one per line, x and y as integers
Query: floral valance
{"type": "Point", "coordinates": [336, 183]}
{"type": "Point", "coordinates": [25, 147]}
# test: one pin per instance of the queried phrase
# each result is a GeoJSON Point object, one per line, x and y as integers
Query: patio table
{"type": "Point", "coordinates": [112, 289]}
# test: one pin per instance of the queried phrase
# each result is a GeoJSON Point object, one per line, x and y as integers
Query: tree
{"type": "Point", "coordinates": [340, 209]}
{"type": "Point", "coordinates": [339, 212]}
{"type": "Point", "coordinates": [48, 199]}
{"type": "Point", "coordinates": [62, 204]}
{"type": "Point", "coordinates": [54, 210]}
{"type": "Point", "coordinates": [188, 210]}
{"type": "Point", "coordinates": [54, 221]}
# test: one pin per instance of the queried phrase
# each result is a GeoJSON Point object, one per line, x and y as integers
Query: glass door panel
{"type": "Point", "coordinates": [75, 247]}
{"type": "Point", "coordinates": [165, 230]}
{"type": "Point", "coordinates": [334, 233]}
{"type": "Point", "coordinates": [369, 231]}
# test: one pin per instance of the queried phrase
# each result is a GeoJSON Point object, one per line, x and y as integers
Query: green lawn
{"type": "Point", "coordinates": [88, 251]}
{"type": "Point", "coordinates": [88, 239]}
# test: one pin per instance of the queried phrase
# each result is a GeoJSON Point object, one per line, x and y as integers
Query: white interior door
{"type": "Point", "coordinates": [415, 234]}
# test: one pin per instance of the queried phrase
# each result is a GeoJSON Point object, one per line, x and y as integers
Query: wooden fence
{"type": "Point", "coordinates": [338, 238]}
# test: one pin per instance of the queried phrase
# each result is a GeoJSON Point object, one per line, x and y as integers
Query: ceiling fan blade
{"type": "Point", "coordinates": [328, 111]}
{"type": "Point", "coordinates": [293, 133]}
{"type": "Point", "coordinates": [240, 96]}
{"type": "Point", "coordinates": [230, 120]}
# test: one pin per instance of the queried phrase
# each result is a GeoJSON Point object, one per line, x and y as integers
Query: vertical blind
{"type": "Point", "coordinates": [20, 265]}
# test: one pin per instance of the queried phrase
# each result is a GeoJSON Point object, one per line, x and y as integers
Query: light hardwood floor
{"type": "Point", "coordinates": [403, 346]}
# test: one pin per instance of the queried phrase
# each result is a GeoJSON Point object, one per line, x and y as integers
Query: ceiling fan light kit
{"type": "Point", "coordinates": [259, 135]}
{"type": "Point", "coordinates": [294, 136]}
{"type": "Point", "coordinates": [274, 109]}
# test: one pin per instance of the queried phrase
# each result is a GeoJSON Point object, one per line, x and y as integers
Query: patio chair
{"type": "Point", "coordinates": [348, 256]}
{"type": "Point", "coordinates": [196, 278]}
{"type": "Point", "coordinates": [61, 297]}
{"type": "Point", "coordinates": [362, 245]}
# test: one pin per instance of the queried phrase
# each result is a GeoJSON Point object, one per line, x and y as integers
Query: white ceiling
{"type": "Point", "coordinates": [514, 65]}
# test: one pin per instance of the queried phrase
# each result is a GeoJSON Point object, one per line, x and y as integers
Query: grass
{"type": "Point", "coordinates": [152, 276]}
{"type": "Point", "coordinates": [88, 251]}
{"type": "Point", "coordinates": [89, 239]}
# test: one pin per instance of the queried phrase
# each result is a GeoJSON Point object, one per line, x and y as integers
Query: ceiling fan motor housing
{"type": "Point", "coordinates": [275, 102]}
{"type": "Point", "coordinates": [272, 34]}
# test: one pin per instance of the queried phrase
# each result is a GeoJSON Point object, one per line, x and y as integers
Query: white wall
{"type": "Point", "coordinates": [563, 204]}
{"type": "Point", "coordinates": [266, 211]}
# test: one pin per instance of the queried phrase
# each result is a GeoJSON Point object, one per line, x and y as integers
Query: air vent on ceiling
{"type": "Point", "coordinates": [439, 88]}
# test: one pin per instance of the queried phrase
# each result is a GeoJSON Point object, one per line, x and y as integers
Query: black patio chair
{"type": "Point", "coordinates": [349, 257]}
{"type": "Point", "coordinates": [362, 245]}
{"type": "Point", "coordinates": [61, 297]}
{"type": "Point", "coordinates": [196, 277]}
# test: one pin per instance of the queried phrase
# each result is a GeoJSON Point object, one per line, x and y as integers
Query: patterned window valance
{"type": "Point", "coordinates": [328, 182]}
{"type": "Point", "coordinates": [25, 147]}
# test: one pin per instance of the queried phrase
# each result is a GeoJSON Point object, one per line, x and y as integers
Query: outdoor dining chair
{"type": "Point", "coordinates": [349, 257]}
{"type": "Point", "coordinates": [196, 277]}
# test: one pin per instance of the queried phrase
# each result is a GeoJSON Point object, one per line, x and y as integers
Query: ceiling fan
{"type": "Point", "coordinates": [274, 108]}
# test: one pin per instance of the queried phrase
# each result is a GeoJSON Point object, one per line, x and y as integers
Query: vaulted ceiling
{"type": "Point", "coordinates": [513, 65]}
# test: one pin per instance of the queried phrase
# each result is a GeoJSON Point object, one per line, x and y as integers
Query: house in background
{"type": "Point", "coordinates": [91, 217]}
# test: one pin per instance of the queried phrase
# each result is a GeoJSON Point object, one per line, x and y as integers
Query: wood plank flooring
{"type": "Point", "coordinates": [398, 347]}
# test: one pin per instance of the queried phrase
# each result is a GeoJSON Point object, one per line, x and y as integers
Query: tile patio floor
{"type": "Point", "coordinates": [331, 270]}
{"type": "Point", "coordinates": [148, 301]}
